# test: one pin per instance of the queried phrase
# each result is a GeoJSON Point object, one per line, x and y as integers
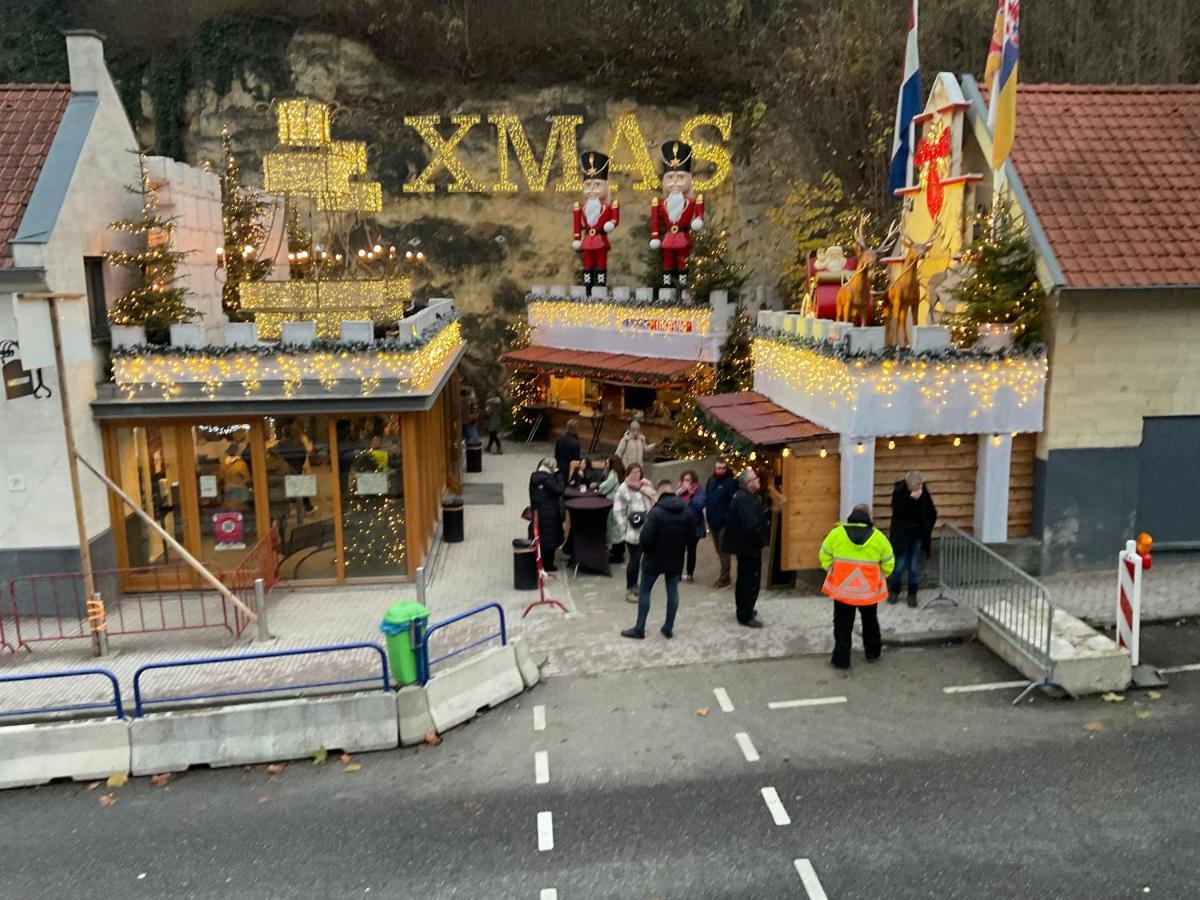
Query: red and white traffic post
{"type": "Point", "coordinates": [542, 600]}
{"type": "Point", "coordinates": [1129, 598]}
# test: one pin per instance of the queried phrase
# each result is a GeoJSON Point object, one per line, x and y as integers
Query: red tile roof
{"type": "Point", "coordinates": [29, 117]}
{"type": "Point", "coordinates": [759, 420]}
{"type": "Point", "coordinates": [1114, 176]}
{"type": "Point", "coordinates": [622, 366]}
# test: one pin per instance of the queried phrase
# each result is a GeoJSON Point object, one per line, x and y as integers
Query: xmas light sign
{"type": "Point", "coordinates": [628, 153]}
{"type": "Point", "coordinates": [664, 326]}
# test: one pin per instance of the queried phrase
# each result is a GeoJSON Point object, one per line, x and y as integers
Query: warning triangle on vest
{"type": "Point", "coordinates": [856, 585]}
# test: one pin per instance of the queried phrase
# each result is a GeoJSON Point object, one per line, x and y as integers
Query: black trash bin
{"type": "Point", "coordinates": [452, 520]}
{"type": "Point", "coordinates": [474, 457]}
{"type": "Point", "coordinates": [524, 565]}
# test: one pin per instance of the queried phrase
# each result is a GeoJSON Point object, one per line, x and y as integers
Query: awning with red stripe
{"type": "Point", "coordinates": [759, 420]}
{"type": "Point", "coordinates": [622, 367]}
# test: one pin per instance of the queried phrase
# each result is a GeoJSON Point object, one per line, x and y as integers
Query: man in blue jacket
{"type": "Point", "coordinates": [718, 494]}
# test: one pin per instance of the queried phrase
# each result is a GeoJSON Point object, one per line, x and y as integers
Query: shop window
{"type": "Point", "coordinates": [371, 476]}
{"type": "Point", "coordinates": [300, 489]}
{"type": "Point", "coordinates": [148, 471]}
{"type": "Point", "coordinates": [225, 487]}
{"type": "Point", "coordinates": [566, 392]}
{"type": "Point", "coordinates": [640, 399]}
{"type": "Point", "coordinates": [93, 276]}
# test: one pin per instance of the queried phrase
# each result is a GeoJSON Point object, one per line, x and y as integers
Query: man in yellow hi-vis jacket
{"type": "Point", "coordinates": [858, 560]}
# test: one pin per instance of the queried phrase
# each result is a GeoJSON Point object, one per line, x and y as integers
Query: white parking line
{"type": "Point", "coordinates": [748, 750]}
{"type": "Point", "coordinates": [778, 813]}
{"type": "Point", "coordinates": [988, 686]}
{"type": "Point", "coordinates": [539, 718]}
{"type": "Point", "coordinates": [812, 701]}
{"type": "Point", "coordinates": [545, 831]}
{"type": "Point", "coordinates": [1191, 667]}
{"type": "Point", "coordinates": [723, 699]}
{"type": "Point", "coordinates": [541, 767]}
{"type": "Point", "coordinates": [812, 884]}
{"type": "Point", "coordinates": [549, 894]}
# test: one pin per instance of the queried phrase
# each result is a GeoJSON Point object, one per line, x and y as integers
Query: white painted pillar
{"type": "Point", "coordinates": [858, 472]}
{"type": "Point", "coordinates": [991, 488]}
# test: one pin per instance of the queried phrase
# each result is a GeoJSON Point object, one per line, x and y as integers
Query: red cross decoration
{"type": "Point", "coordinates": [929, 154]}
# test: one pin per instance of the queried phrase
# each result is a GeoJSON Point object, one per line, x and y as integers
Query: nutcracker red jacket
{"type": "Point", "coordinates": [675, 235]}
{"type": "Point", "coordinates": [594, 237]}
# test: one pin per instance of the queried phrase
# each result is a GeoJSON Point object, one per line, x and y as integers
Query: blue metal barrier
{"type": "Point", "coordinates": [140, 702]}
{"type": "Point", "coordinates": [114, 704]}
{"type": "Point", "coordinates": [424, 663]}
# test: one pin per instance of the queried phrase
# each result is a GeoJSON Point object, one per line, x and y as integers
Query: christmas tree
{"type": "Point", "coordinates": [709, 266]}
{"type": "Point", "coordinates": [735, 368]}
{"type": "Point", "coordinates": [242, 214]}
{"type": "Point", "coordinates": [155, 299]}
{"type": "Point", "coordinates": [1002, 286]}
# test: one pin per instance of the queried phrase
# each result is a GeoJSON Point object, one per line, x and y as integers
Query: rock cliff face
{"type": "Point", "coordinates": [482, 249]}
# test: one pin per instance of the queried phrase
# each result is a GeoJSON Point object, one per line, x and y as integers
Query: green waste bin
{"type": "Point", "coordinates": [397, 626]}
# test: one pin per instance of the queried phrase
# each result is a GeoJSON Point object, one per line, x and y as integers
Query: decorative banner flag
{"type": "Point", "coordinates": [1002, 114]}
{"type": "Point", "coordinates": [995, 51]}
{"type": "Point", "coordinates": [908, 104]}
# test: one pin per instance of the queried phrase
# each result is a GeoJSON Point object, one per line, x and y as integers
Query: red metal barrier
{"type": "Point", "coordinates": [53, 607]}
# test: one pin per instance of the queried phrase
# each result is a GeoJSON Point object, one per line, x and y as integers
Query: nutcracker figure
{"type": "Point", "coordinates": [676, 215]}
{"type": "Point", "coordinates": [594, 219]}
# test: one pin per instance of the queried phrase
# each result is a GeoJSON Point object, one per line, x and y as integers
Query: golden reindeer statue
{"type": "Point", "coordinates": [854, 298]}
{"type": "Point", "coordinates": [904, 294]}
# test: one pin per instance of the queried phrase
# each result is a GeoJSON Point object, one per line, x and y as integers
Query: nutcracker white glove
{"type": "Point", "coordinates": [609, 226]}
{"type": "Point", "coordinates": [697, 224]}
{"type": "Point", "coordinates": [576, 245]}
{"type": "Point", "coordinates": [655, 243]}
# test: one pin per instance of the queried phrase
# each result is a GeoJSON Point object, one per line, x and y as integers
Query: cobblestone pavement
{"type": "Point", "coordinates": [584, 640]}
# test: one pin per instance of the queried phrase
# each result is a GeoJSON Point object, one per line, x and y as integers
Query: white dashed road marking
{"type": "Point", "coordinates": [541, 767]}
{"type": "Point", "coordinates": [778, 813]}
{"type": "Point", "coordinates": [723, 699]}
{"type": "Point", "coordinates": [545, 831]}
{"type": "Point", "coordinates": [539, 718]}
{"type": "Point", "coordinates": [989, 686]}
{"type": "Point", "coordinates": [549, 894]}
{"type": "Point", "coordinates": [1192, 667]}
{"type": "Point", "coordinates": [748, 750]}
{"type": "Point", "coordinates": [812, 701]}
{"type": "Point", "coordinates": [812, 884]}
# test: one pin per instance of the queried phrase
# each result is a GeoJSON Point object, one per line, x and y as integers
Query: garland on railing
{"type": "Point", "coordinates": [632, 300]}
{"type": "Point", "coordinates": [840, 350]}
{"type": "Point", "coordinates": [320, 345]}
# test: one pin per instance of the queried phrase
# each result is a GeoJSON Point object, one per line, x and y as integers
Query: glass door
{"type": "Point", "coordinates": [228, 498]}
{"type": "Point", "coordinates": [300, 490]}
{"type": "Point", "coordinates": [371, 479]}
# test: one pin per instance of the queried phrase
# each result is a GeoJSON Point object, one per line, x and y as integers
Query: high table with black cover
{"type": "Point", "coordinates": [589, 529]}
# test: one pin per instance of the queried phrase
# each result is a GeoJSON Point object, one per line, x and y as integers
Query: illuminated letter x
{"type": "Point", "coordinates": [443, 155]}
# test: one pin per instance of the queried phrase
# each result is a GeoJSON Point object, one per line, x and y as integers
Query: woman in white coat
{"type": "Point", "coordinates": [633, 447]}
{"type": "Point", "coordinates": [631, 504]}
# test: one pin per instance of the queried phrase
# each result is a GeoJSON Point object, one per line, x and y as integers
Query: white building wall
{"type": "Point", "coordinates": [33, 448]}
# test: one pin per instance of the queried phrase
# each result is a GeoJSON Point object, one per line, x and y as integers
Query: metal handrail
{"type": "Point", "coordinates": [116, 705]}
{"type": "Point", "coordinates": [424, 663]}
{"type": "Point", "coordinates": [140, 702]}
{"type": "Point", "coordinates": [1012, 600]}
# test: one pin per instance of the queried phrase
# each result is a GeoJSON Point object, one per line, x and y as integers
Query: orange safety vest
{"type": "Point", "coordinates": [855, 581]}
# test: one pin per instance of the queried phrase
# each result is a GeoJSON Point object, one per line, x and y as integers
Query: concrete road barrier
{"type": "Point", "coordinates": [530, 673]}
{"type": "Point", "coordinates": [456, 694]}
{"type": "Point", "coordinates": [412, 708]}
{"type": "Point", "coordinates": [263, 732]}
{"type": "Point", "coordinates": [81, 750]}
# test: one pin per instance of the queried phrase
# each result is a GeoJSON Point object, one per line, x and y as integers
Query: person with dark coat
{"type": "Point", "coordinates": [494, 410]}
{"type": "Point", "coordinates": [545, 500]}
{"type": "Point", "coordinates": [718, 494]}
{"type": "Point", "coordinates": [668, 528]}
{"type": "Point", "coordinates": [567, 449]}
{"type": "Point", "coordinates": [913, 518]}
{"type": "Point", "coordinates": [745, 535]}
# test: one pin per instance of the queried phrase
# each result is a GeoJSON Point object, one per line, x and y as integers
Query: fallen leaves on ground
{"type": "Point", "coordinates": [353, 767]}
{"type": "Point", "coordinates": [93, 785]}
{"type": "Point", "coordinates": [345, 758]}
{"type": "Point", "coordinates": [320, 756]}
{"type": "Point", "coordinates": [276, 768]}
{"type": "Point", "coordinates": [107, 799]}
{"type": "Point", "coordinates": [1094, 726]}
{"type": "Point", "coordinates": [117, 779]}
{"type": "Point", "coordinates": [1112, 697]}
{"type": "Point", "coordinates": [160, 780]}
{"type": "Point", "coordinates": [432, 738]}
{"type": "Point", "coordinates": [702, 711]}
{"type": "Point", "coordinates": [1154, 695]}
{"type": "Point", "coordinates": [263, 798]}
{"type": "Point", "coordinates": [1142, 714]}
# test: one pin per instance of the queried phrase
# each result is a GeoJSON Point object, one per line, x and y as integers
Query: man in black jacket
{"type": "Point", "coordinates": [913, 518]}
{"type": "Point", "coordinates": [545, 500]}
{"type": "Point", "coordinates": [663, 540]}
{"type": "Point", "coordinates": [746, 533]}
{"type": "Point", "coordinates": [718, 494]}
{"type": "Point", "coordinates": [567, 449]}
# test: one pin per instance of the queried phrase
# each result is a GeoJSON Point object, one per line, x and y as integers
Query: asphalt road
{"type": "Point", "coordinates": [900, 791]}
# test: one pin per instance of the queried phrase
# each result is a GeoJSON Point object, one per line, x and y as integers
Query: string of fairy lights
{"type": "Point", "coordinates": [166, 373]}
{"type": "Point", "coordinates": [618, 316]}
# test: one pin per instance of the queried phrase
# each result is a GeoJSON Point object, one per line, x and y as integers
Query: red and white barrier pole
{"type": "Point", "coordinates": [542, 600]}
{"type": "Point", "coordinates": [1129, 599]}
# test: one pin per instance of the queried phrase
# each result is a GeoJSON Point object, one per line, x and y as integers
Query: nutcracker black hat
{"type": "Point", "coordinates": [594, 164]}
{"type": "Point", "coordinates": [677, 156]}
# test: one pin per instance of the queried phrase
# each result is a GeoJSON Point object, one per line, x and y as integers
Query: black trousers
{"type": "Point", "coordinates": [843, 631]}
{"type": "Point", "coordinates": [690, 556]}
{"type": "Point", "coordinates": [633, 568]}
{"type": "Point", "coordinates": [494, 439]}
{"type": "Point", "coordinates": [745, 587]}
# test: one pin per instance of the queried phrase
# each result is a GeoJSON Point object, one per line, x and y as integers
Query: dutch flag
{"type": "Point", "coordinates": [908, 104]}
